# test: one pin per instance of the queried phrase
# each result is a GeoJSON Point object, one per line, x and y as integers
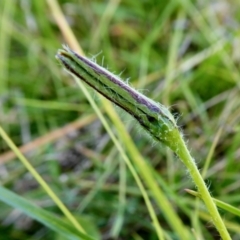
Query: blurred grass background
{"type": "Point", "coordinates": [184, 54]}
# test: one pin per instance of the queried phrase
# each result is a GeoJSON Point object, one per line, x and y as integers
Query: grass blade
{"type": "Point", "coordinates": [48, 219]}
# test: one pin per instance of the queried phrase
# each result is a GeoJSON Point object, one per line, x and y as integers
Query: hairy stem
{"type": "Point", "coordinates": [155, 118]}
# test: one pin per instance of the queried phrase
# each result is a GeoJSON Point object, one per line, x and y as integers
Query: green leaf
{"type": "Point", "coordinates": [48, 219]}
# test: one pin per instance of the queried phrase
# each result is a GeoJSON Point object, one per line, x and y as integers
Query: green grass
{"type": "Point", "coordinates": [184, 55]}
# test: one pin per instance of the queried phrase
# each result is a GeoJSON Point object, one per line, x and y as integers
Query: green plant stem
{"type": "Point", "coordinates": [134, 103]}
{"type": "Point", "coordinates": [155, 118]}
{"type": "Point", "coordinates": [183, 153]}
{"type": "Point", "coordinates": [220, 204]}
